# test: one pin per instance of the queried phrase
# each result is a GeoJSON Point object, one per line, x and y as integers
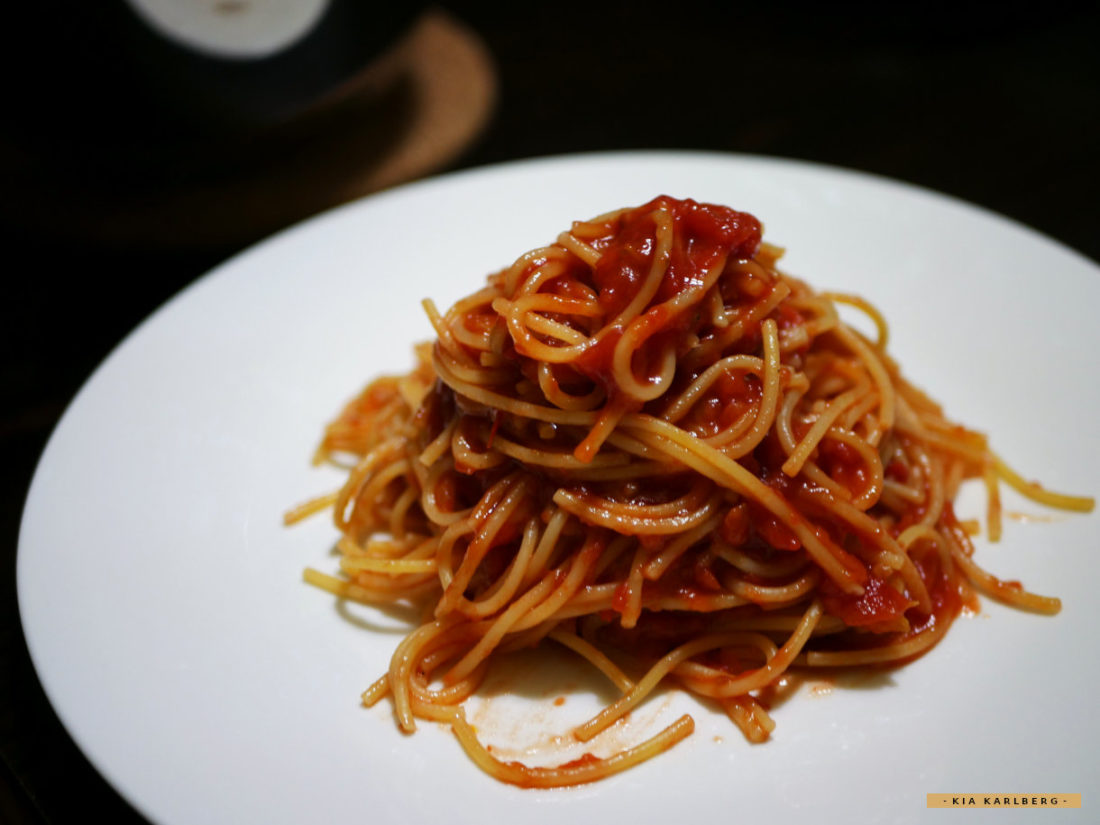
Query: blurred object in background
{"type": "Point", "coordinates": [212, 123]}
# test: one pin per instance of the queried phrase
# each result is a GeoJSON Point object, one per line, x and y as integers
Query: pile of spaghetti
{"type": "Point", "coordinates": [646, 443]}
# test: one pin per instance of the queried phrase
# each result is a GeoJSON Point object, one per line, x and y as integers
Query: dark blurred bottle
{"type": "Point", "coordinates": [123, 86]}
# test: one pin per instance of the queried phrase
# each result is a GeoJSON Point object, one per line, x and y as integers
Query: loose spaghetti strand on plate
{"type": "Point", "coordinates": [648, 444]}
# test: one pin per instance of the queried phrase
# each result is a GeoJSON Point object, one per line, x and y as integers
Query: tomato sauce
{"type": "Point", "coordinates": [878, 607]}
{"type": "Point", "coordinates": [844, 465]}
{"type": "Point", "coordinates": [702, 235]}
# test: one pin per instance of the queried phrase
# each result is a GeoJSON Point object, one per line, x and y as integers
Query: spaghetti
{"type": "Point", "coordinates": [646, 443]}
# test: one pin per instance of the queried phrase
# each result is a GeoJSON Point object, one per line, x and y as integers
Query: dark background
{"type": "Point", "coordinates": [997, 105]}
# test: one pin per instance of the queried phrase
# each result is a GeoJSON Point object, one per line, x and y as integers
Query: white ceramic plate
{"type": "Point", "coordinates": [162, 597]}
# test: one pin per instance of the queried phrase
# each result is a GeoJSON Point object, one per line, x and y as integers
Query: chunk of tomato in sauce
{"type": "Point", "coordinates": [880, 605]}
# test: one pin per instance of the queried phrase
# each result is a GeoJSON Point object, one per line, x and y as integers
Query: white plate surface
{"type": "Point", "coordinates": [162, 598]}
